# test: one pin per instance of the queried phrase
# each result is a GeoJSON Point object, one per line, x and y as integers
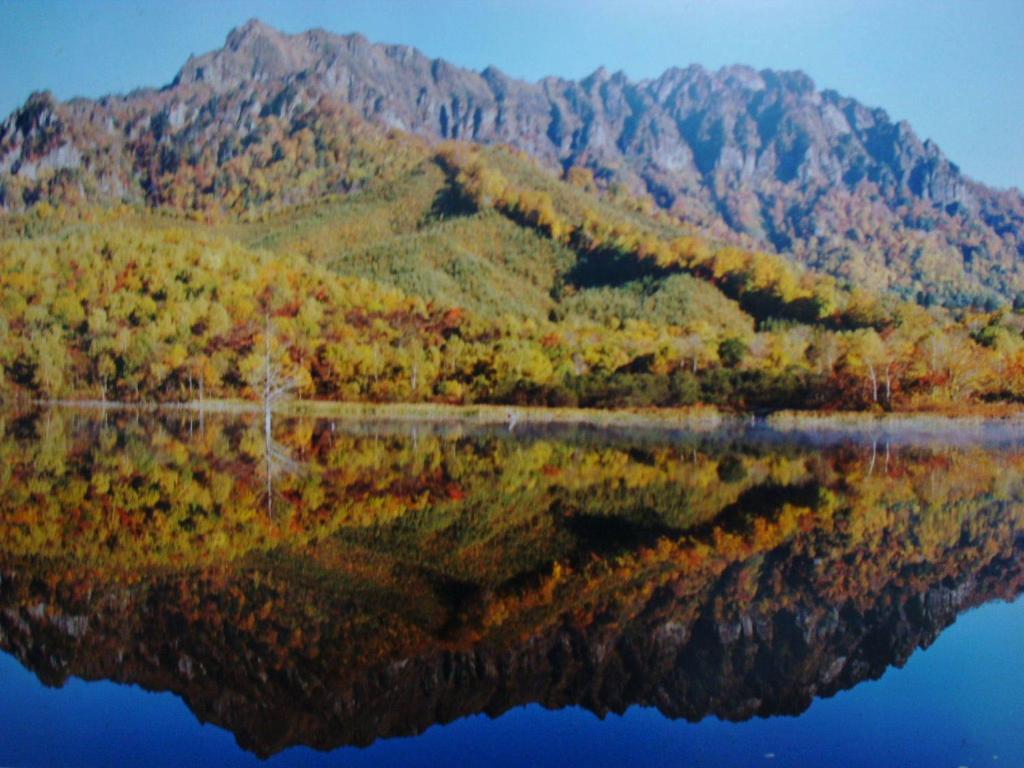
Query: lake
{"type": "Point", "coordinates": [182, 589]}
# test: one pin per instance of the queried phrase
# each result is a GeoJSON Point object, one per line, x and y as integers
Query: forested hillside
{"type": "Point", "coordinates": [465, 275]}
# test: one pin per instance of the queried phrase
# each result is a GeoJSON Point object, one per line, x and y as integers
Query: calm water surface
{"type": "Point", "coordinates": [185, 591]}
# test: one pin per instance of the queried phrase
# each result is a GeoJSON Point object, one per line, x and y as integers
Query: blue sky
{"type": "Point", "coordinates": [953, 68]}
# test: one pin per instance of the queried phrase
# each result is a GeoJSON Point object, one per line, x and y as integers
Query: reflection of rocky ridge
{"type": "Point", "coordinates": [692, 647]}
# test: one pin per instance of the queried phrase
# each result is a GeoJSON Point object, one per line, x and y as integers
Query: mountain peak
{"type": "Point", "coordinates": [253, 51]}
{"type": "Point", "coordinates": [759, 154]}
{"type": "Point", "coordinates": [252, 29]}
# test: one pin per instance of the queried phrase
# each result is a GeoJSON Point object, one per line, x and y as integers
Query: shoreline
{"type": "Point", "coordinates": [698, 418]}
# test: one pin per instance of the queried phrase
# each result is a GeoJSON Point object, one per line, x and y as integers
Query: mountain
{"type": "Point", "coordinates": [265, 198]}
{"type": "Point", "coordinates": [762, 158]}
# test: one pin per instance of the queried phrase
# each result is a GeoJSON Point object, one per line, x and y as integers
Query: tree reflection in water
{"type": "Point", "coordinates": [410, 576]}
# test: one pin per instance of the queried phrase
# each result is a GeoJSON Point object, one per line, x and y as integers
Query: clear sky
{"type": "Point", "coordinates": [953, 68]}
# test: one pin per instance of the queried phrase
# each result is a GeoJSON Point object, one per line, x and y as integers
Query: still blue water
{"type": "Point", "coordinates": [957, 703]}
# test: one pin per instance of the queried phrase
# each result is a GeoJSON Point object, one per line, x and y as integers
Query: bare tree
{"type": "Point", "coordinates": [277, 386]}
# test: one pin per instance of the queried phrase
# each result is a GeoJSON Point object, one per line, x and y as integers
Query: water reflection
{"type": "Point", "coordinates": [404, 576]}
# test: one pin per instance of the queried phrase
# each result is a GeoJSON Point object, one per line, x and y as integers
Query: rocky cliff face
{"type": "Point", "coordinates": [763, 154]}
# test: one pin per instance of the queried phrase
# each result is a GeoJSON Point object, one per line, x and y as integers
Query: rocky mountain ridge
{"type": "Point", "coordinates": [761, 155]}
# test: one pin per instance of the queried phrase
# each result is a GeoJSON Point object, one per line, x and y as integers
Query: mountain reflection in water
{"type": "Point", "coordinates": [373, 580]}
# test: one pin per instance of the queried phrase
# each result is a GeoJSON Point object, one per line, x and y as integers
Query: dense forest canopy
{"type": "Point", "coordinates": [465, 275]}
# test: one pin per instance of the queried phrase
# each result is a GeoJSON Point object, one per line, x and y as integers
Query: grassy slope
{"type": "Point", "coordinates": [411, 235]}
